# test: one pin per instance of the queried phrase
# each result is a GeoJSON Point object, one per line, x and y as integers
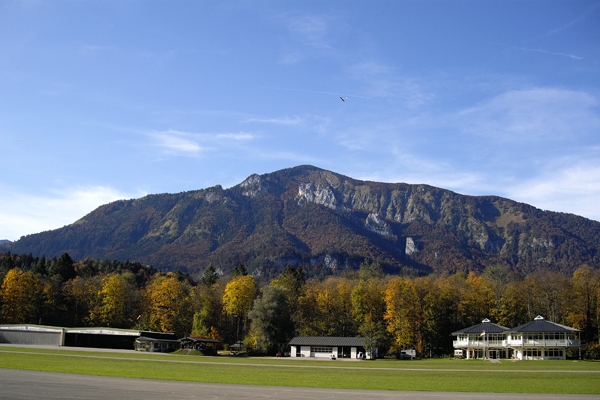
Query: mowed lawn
{"type": "Point", "coordinates": [575, 377]}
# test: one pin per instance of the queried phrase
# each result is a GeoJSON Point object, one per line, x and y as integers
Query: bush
{"type": "Point", "coordinates": [591, 351]}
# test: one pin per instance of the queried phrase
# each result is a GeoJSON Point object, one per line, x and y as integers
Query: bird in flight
{"type": "Point", "coordinates": [343, 98]}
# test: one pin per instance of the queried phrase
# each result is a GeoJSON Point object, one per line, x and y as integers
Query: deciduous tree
{"type": "Point", "coordinates": [404, 314]}
{"type": "Point", "coordinates": [237, 300]}
{"type": "Point", "coordinates": [271, 319]}
{"type": "Point", "coordinates": [119, 300]}
{"type": "Point", "coordinates": [20, 293]}
{"type": "Point", "coordinates": [169, 305]}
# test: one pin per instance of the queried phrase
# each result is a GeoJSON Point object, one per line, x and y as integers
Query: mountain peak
{"type": "Point", "coordinates": [325, 222]}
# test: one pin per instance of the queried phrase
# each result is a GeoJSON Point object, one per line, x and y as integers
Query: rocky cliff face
{"type": "Point", "coordinates": [326, 222]}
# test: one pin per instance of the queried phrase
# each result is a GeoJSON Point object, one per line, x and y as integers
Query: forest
{"type": "Point", "coordinates": [394, 312]}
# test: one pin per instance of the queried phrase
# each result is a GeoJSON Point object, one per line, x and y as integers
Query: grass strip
{"type": "Point", "coordinates": [378, 376]}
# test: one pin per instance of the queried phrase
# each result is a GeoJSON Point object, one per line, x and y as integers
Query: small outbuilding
{"type": "Point", "coordinates": [328, 347]}
{"type": "Point", "coordinates": [200, 343]}
{"type": "Point", "coordinates": [157, 342]}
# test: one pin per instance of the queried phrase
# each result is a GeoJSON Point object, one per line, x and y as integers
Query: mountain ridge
{"type": "Point", "coordinates": [326, 222]}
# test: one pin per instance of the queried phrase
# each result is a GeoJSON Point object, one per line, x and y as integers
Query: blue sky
{"type": "Point", "coordinates": [103, 100]}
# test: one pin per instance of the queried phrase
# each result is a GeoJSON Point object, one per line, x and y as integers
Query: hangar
{"type": "Point", "coordinates": [109, 338]}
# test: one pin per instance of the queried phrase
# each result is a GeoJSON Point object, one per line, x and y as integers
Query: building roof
{"type": "Point", "coordinates": [485, 326]}
{"type": "Point", "coordinates": [539, 324]}
{"type": "Point", "coordinates": [149, 339]}
{"type": "Point", "coordinates": [88, 331]}
{"type": "Point", "coordinates": [327, 341]}
{"type": "Point", "coordinates": [198, 339]}
{"type": "Point", "coordinates": [58, 329]}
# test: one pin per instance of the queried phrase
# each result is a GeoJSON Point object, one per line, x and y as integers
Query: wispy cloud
{"type": "Point", "coordinates": [381, 80]}
{"type": "Point", "coordinates": [533, 114]}
{"type": "Point", "coordinates": [177, 142]}
{"type": "Point", "coordinates": [308, 35]}
{"type": "Point", "coordinates": [24, 213]}
{"type": "Point", "coordinates": [575, 21]}
{"type": "Point", "coordinates": [88, 49]}
{"type": "Point", "coordinates": [295, 120]}
{"type": "Point", "coordinates": [236, 136]}
{"type": "Point", "coordinates": [311, 30]}
{"type": "Point", "coordinates": [552, 53]}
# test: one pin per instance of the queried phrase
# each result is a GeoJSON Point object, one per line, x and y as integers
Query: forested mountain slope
{"type": "Point", "coordinates": [325, 222]}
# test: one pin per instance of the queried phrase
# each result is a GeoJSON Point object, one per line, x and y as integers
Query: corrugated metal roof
{"type": "Point", "coordinates": [487, 327]}
{"type": "Point", "coordinates": [148, 339]}
{"type": "Point", "coordinates": [539, 324]}
{"type": "Point", "coordinates": [327, 341]}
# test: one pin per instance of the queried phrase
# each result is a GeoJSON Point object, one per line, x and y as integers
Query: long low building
{"type": "Point", "coordinates": [110, 338]}
{"type": "Point", "coordinates": [536, 340]}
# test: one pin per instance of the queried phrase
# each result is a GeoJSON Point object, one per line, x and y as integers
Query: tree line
{"type": "Point", "coordinates": [390, 312]}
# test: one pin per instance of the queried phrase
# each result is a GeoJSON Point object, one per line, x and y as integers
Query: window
{"type": "Point", "coordinates": [533, 353]}
{"type": "Point", "coordinates": [321, 349]}
{"type": "Point", "coordinates": [553, 353]}
{"type": "Point", "coordinates": [555, 336]}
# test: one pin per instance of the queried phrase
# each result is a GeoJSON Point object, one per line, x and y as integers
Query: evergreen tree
{"type": "Point", "coordinates": [8, 263]}
{"type": "Point", "coordinates": [210, 276]}
{"type": "Point", "coordinates": [64, 267]}
{"type": "Point", "coordinates": [240, 270]}
{"type": "Point", "coordinates": [40, 266]}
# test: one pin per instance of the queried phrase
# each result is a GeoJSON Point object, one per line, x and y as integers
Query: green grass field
{"type": "Point", "coordinates": [426, 375]}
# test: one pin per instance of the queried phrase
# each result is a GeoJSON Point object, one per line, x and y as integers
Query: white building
{"type": "Point", "coordinates": [328, 347]}
{"type": "Point", "coordinates": [542, 340]}
{"type": "Point", "coordinates": [484, 340]}
{"type": "Point", "coordinates": [535, 340]}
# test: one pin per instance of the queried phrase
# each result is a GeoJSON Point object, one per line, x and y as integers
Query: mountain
{"type": "Point", "coordinates": [4, 241]}
{"type": "Point", "coordinates": [325, 222]}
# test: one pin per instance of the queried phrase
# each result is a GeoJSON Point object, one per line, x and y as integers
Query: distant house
{"type": "Point", "coordinates": [328, 347]}
{"type": "Point", "coordinates": [535, 340]}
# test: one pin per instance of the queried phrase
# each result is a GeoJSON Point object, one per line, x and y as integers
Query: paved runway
{"type": "Point", "coordinates": [19, 384]}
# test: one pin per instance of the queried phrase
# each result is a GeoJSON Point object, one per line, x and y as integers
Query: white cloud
{"type": "Point", "coordinates": [22, 213]}
{"type": "Point", "coordinates": [295, 120]}
{"type": "Point", "coordinates": [569, 188]}
{"type": "Point", "coordinates": [176, 142]}
{"type": "Point", "coordinates": [236, 136]}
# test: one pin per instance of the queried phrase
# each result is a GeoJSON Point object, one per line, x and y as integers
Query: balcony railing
{"type": "Point", "coordinates": [480, 344]}
{"type": "Point", "coordinates": [544, 343]}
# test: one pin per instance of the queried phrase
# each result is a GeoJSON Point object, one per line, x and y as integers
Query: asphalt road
{"type": "Point", "coordinates": [20, 384]}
